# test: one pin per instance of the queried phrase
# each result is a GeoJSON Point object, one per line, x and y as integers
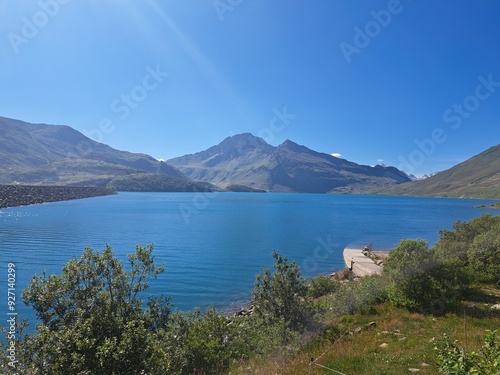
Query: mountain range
{"type": "Point", "coordinates": [249, 161]}
{"type": "Point", "coordinates": [41, 154]}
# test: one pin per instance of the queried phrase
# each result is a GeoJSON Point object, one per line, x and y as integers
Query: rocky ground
{"type": "Point", "coordinates": [22, 195]}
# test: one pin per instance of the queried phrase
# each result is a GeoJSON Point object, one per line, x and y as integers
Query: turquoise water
{"type": "Point", "coordinates": [213, 245]}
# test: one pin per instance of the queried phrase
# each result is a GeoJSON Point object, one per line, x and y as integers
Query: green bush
{"type": "Point", "coordinates": [484, 256]}
{"type": "Point", "coordinates": [474, 247]}
{"type": "Point", "coordinates": [92, 319]}
{"type": "Point", "coordinates": [420, 282]}
{"type": "Point", "coordinates": [282, 295]}
{"type": "Point", "coordinates": [207, 344]}
{"type": "Point", "coordinates": [322, 286]}
{"type": "Point", "coordinates": [359, 296]}
{"type": "Point", "coordinates": [259, 336]}
{"type": "Point", "coordinates": [453, 359]}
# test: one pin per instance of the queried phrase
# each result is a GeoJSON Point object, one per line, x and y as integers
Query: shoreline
{"type": "Point", "coordinates": [26, 195]}
{"type": "Point", "coordinates": [494, 206]}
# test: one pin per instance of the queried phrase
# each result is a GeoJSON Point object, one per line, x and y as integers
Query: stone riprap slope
{"type": "Point", "coordinates": [23, 195]}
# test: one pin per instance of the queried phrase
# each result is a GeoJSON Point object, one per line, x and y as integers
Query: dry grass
{"type": "Point", "coordinates": [409, 341]}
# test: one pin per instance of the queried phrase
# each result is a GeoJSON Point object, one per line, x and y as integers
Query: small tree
{"type": "Point", "coordinates": [282, 294]}
{"type": "Point", "coordinates": [92, 317]}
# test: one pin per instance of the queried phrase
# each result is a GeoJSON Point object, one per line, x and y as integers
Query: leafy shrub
{"type": "Point", "coordinates": [359, 296]}
{"type": "Point", "coordinates": [419, 281]}
{"type": "Point", "coordinates": [282, 295]}
{"type": "Point", "coordinates": [473, 246]}
{"type": "Point", "coordinates": [92, 319]}
{"type": "Point", "coordinates": [261, 336]}
{"type": "Point", "coordinates": [322, 286]}
{"type": "Point", "coordinates": [453, 359]}
{"type": "Point", "coordinates": [484, 256]}
{"type": "Point", "coordinates": [207, 343]}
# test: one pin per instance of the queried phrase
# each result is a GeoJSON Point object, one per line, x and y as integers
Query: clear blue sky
{"type": "Point", "coordinates": [366, 79]}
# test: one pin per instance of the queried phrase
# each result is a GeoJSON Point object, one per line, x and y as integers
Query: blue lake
{"type": "Point", "coordinates": [214, 244]}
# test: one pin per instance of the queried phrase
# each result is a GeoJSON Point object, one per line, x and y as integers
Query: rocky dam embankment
{"type": "Point", "coordinates": [23, 195]}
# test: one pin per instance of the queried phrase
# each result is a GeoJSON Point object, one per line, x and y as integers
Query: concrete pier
{"type": "Point", "coordinates": [360, 264]}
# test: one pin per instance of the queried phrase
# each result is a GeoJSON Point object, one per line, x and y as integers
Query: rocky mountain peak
{"type": "Point", "coordinates": [243, 143]}
{"type": "Point", "coordinates": [249, 161]}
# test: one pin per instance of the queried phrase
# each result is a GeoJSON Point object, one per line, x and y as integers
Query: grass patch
{"type": "Point", "coordinates": [399, 340]}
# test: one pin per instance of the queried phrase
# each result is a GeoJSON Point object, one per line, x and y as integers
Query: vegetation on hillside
{"type": "Point", "coordinates": [93, 319]}
{"type": "Point", "coordinates": [243, 189]}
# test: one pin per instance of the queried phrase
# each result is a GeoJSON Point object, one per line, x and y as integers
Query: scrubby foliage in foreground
{"type": "Point", "coordinates": [473, 246]}
{"type": "Point", "coordinates": [93, 321]}
{"type": "Point", "coordinates": [454, 359]}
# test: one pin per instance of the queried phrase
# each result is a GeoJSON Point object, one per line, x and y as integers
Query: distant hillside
{"type": "Point", "coordinates": [243, 189]}
{"type": "Point", "coordinates": [40, 154]}
{"type": "Point", "coordinates": [478, 177]}
{"type": "Point", "coordinates": [153, 182]}
{"type": "Point", "coordinates": [249, 161]}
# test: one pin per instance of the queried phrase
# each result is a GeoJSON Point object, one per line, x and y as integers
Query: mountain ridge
{"type": "Point", "coordinates": [476, 177]}
{"type": "Point", "coordinates": [42, 154]}
{"type": "Point", "coordinates": [247, 160]}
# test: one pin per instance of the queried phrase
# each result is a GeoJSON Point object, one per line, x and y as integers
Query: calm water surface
{"type": "Point", "coordinates": [213, 245]}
